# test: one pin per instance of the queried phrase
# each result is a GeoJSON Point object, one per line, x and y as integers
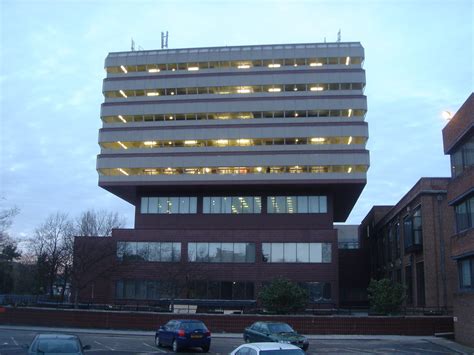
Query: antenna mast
{"type": "Point", "coordinates": [339, 36]}
{"type": "Point", "coordinates": [164, 40]}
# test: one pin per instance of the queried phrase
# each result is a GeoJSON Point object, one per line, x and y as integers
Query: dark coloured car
{"type": "Point", "coordinates": [274, 332]}
{"type": "Point", "coordinates": [184, 333]}
{"type": "Point", "coordinates": [57, 344]}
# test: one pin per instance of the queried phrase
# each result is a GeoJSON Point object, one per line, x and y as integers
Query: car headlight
{"type": "Point", "coordinates": [284, 341]}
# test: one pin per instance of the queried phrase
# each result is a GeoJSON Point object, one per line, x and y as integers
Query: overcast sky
{"type": "Point", "coordinates": [418, 61]}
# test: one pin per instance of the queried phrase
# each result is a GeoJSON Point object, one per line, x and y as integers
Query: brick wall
{"type": "Point", "coordinates": [464, 311]}
{"type": "Point", "coordinates": [228, 323]}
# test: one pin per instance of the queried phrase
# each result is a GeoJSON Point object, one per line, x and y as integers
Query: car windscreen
{"type": "Point", "coordinates": [57, 346]}
{"type": "Point", "coordinates": [282, 352]}
{"type": "Point", "coordinates": [279, 328]}
{"type": "Point", "coordinates": [193, 326]}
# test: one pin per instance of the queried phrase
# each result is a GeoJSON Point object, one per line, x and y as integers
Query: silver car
{"type": "Point", "coordinates": [267, 349]}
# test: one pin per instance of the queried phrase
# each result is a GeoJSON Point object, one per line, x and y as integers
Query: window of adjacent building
{"type": "Point", "coordinates": [420, 284]}
{"type": "Point", "coordinates": [409, 284]}
{"type": "Point", "coordinates": [232, 205]}
{"type": "Point", "coordinates": [149, 251]}
{"type": "Point", "coordinates": [296, 252]}
{"type": "Point", "coordinates": [413, 229]}
{"type": "Point", "coordinates": [297, 204]}
{"type": "Point", "coordinates": [466, 273]}
{"type": "Point", "coordinates": [464, 214]}
{"type": "Point", "coordinates": [168, 205]}
{"type": "Point", "coordinates": [221, 252]}
{"type": "Point", "coordinates": [463, 157]}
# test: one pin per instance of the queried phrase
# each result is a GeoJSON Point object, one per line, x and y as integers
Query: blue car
{"type": "Point", "coordinates": [184, 333]}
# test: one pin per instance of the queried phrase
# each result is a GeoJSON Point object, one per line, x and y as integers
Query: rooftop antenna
{"type": "Point", "coordinates": [164, 40]}
{"type": "Point", "coordinates": [133, 45]}
{"type": "Point", "coordinates": [339, 36]}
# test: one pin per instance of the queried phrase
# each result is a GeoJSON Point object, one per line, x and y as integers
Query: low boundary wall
{"type": "Point", "coordinates": [235, 323]}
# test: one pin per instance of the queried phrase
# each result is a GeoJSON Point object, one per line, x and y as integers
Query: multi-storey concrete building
{"type": "Point", "coordinates": [458, 137]}
{"type": "Point", "coordinates": [238, 160]}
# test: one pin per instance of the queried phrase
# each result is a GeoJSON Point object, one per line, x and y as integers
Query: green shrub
{"type": "Point", "coordinates": [283, 296]}
{"type": "Point", "coordinates": [385, 297]}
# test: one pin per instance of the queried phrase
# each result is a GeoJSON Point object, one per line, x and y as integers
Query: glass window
{"type": "Point", "coordinates": [154, 250]}
{"type": "Point", "coordinates": [142, 251]}
{"type": "Point", "coordinates": [250, 252]}
{"type": "Point", "coordinates": [144, 205]}
{"type": "Point", "coordinates": [227, 250]}
{"type": "Point", "coordinates": [192, 252]}
{"type": "Point", "coordinates": [239, 252]}
{"type": "Point", "coordinates": [323, 204]}
{"type": "Point", "coordinates": [166, 252]}
{"type": "Point", "coordinates": [303, 204]}
{"type": "Point", "coordinates": [313, 204]}
{"type": "Point", "coordinates": [466, 273]}
{"type": "Point", "coordinates": [130, 289]}
{"type": "Point", "coordinates": [192, 205]}
{"type": "Point", "coordinates": [315, 252]}
{"type": "Point", "coordinates": [302, 252]}
{"type": "Point", "coordinates": [163, 205]}
{"type": "Point", "coordinates": [173, 205]}
{"type": "Point", "coordinates": [176, 251]}
{"type": "Point", "coordinates": [290, 252]}
{"type": "Point", "coordinates": [202, 252]}
{"type": "Point", "coordinates": [417, 227]}
{"type": "Point", "coordinates": [326, 252]}
{"type": "Point", "coordinates": [119, 289]}
{"type": "Point", "coordinates": [266, 252]}
{"type": "Point", "coordinates": [215, 252]}
{"type": "Point", "coordinates": [153, 205]}
{"type": "Point", "coordinates": [277, 253]}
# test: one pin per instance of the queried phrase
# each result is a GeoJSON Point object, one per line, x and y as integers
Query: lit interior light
{"type": "Point", "coordinates": [295, 89]}
{"type": "Point", "coordinates": [174, 69]}
{"type": "Point", "coordinates": [258, 168]}
{"type": "Point", "coordinates": [243, 66]}
{"type": "Point", "coordinates": [349, 114]}
{"type": "Point", "coordinates": [169, 143]}
{"type": "Point", "coordinates": [207, 170]}
{"type": "Point", "coordinates": [193, 68]}
{"type": "Point", "coordinates": [316, 88]}
{"type": "Point", "coordinates": [122, 93]}
{"type": "Point", "coordinates": [350, 140]}
{"type": "Point", "coordinates": [124, 69]}
{"type": "Point", "coordinates": [274, 90]}
{"type": "Point", "coordinates": [122, 119]}
{"type": "Point", "coordinates": [222, 141]}
{"type": "Point", "coordinates": [349, 170]}
{"type": "Point", "coordinates": [243, 91]}
{"type": "Point", "coordinates": [171, 117]}
{"type": "Point", "coordinates": [317, 140]}
{"type": "Point", "coordinates": [274, 65]}
{"type": "Point", "coordinates": [348, 60]}
{"type": "Point", "coordinates": [172, 92]}
{"type": "Point", "coordinates": [447, 115]}
{"type": "Point", "coordinates": [149, 143]}
{"type": "Point", "coordinates": [315, 64]}
{"type": "Point", "coordinates": [154, 70]}
{"type": "Point", "coordinates": [122, 171]}
{"type": "Point", "coordinates": [295, 65]}
{"type": "Point", "coordinates": [297, 140]}
{"type": "Point", "coordinates": [223, 117]}
{"type": "Point", "coordinates": [191, 142]}
{"type": "Point", "coordinates": [122, 145]}
{"type": "Point", "coordinates": [243, 141]}
{"type": "Point", "coordinates": [154, 93]}
{"type": "Point", "coordinates": [296, 114]}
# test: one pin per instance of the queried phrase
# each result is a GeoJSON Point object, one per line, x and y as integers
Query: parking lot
{"type": "Point", "coordinates": [14, 339]}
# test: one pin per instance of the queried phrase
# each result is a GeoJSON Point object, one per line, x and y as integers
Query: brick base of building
{"type": "Point", "coordinates": [464, 314]}
{"type": "Point", "coordinates": [235, 323]}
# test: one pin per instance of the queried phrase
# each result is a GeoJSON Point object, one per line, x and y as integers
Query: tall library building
{"type": "Point", "coordinates": [238, 160]}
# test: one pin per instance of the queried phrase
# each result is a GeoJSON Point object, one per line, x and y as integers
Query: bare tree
{"type": "Point", "coordinates": [100, 223]}
{"type": "Point", "coordinates": [50, 246]}
{"type": "Point", "coordinates": [6, 220]}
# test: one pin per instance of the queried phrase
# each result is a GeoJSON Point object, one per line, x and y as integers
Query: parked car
{"type": "Point", "coordinates": [57, 344]}
{"type": "Point", "coordinates": [274, 332]}
{"type": "Point", "coordinates": [184, 333]}
{"type": "Point", "coordinates": [267, 349]}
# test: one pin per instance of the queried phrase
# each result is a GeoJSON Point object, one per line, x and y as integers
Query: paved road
{"type": "Point", "coordinates": [12, 340]}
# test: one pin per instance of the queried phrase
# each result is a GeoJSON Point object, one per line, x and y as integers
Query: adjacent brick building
{"type": "Point", "coordinates": [409, 244]}
{"type": "Point", "coordinates": [458, 138]}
